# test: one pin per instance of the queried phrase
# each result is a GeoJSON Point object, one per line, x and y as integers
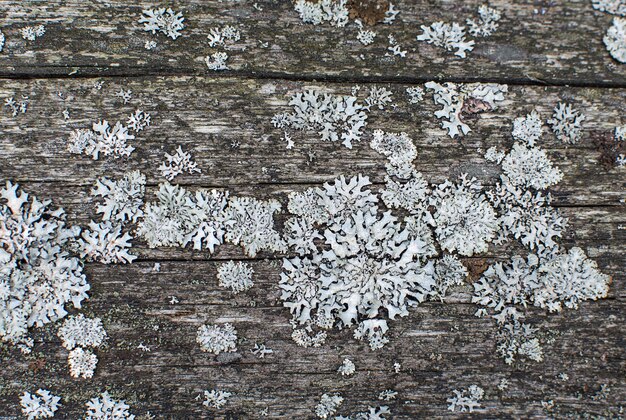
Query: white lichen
{"type": "Point", "coordinates": [82, 363]}
{"type": "Point", "coordinates": [101, 139]}
{"type": "Point", "coordinates": [415, 94]}
{"type": "Point", "coordinates": [123, 198]}
{"type": "Point", "coordinates": [41, 405]}
{"type": "Point", "coordinates": [104, 242]}
{"type": "Point", "coordinates": [251, 225]}
{"type": "Point", "coordinates": [162, 20]}
{"type": "Point", "coordinates": [528, 129]}
{"type": "Point", "coordinates": [215, 398]}
{"type": "Point", "coordinates": [38, 277]}
{"type": "Point", "coordinates": [366, 37]}
{"type": "Point", "coordinates": [526, 166]}
{"type": "Point", "coordinates": [616, 7]}
{"type": "Point", "coordinates": [528, 217]}
{"type": "Point", "coordinates": [334, 12]}
{"type": "Point", "coordinates": [333, 117]}
{"type": "Point", "coordinates": [566, 120]}
{"type": "Point", "coordinates": [449, 271]}
{"type": "Point", "coordinates": [78, 330]}
{"type": "Point", "coordinates": [487, 23]}
{"type": "Point", "coordinates": [466, 399]}
{"type": "Point", "coordinates": [178, 163]}
{"type": "Point", "coordinates": [366, 262]}
{"type": "Point", "coordinates": [454, 100]}
{"type": "Point", "coordinates": [448, 36]}
{"type": "Point", "coordinates": [180, 217]}
{"type": "Point", "coordinates": [138, 121]}
{"type": "Point", "coordinates": [31, 33]}
{"type": "Point", "coordinates": [235, 276]}
{"type": "Point", "coordinates": [347, 368]}
{"type": "Point", "coordinates": [217, 61]}
{"type": "Point", "coordinates": [217, 339]}
{"type": "Point", "coordinates": [106, 408]}
{"type": "Point", "coordinates": [328, 405]}
{"type": "Point", "coordinates": [399, 150]}
{"type": "Point", "coordinates": [464, 220]}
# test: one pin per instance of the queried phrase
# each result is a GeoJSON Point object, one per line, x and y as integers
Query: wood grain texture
{"type": "Point", "coordinates": [538, 42]}
{"type": "Point", "coordinates": [440, 346]}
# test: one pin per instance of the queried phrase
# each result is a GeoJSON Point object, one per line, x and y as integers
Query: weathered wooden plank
{"type": "Point", "coordinates": [549, 42]}
{"type": "Point", "coordinates": [207, 116]}
{"type": "Point", "coordinates": [440, 347]}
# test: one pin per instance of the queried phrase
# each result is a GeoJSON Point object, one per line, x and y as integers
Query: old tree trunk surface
{"type": "Point", "coordinates": [547, 52]}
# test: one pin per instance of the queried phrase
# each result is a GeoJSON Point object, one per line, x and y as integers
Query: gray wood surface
{"type": "Point", "coordinates": [441, 347]}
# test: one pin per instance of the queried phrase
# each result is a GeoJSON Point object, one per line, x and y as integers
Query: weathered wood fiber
{"type": "Point", "coordinates": [537, 42]}
{"type": "Point", "coordinates": [206, 116]}
{"type": "Point", "coordinates": [440, 346]}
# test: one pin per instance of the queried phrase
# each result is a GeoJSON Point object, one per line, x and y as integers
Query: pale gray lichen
{"type": "Point", "coordinates": [566, 120]}
{"type": "Point", "coordinates": [217, 339]}
{"type": "Point", "coordinates": [235, 276]}
{"type": "Point", "coordinates": [304, 338]}
{"type": "Point", "coordinates": [562, 279]}
{"type": "Point", "coordinates": [569, 279]}
{"type": "Point", "coordinates": [138, 121]}
{"type": "Point", "coordinates": [328, 405]}
{"type": "Point", "coordinates": [334, 117]}
{"type": "Point", "coordinates": [528, 129]}
{"type": "Point", "coordinates": [347, 368]}
{"type": "Point", "coordinates": [104, 242]}
{"type": "Point", "coordinates": [615, 39]}
{"type": "Point", "coordinates": [162, 20]}
{"type": "Point", "coordinates": [31, 33]}
{"type": "Point", "coordinates": [301, 235]}
{"type": "Point", "coordinates": [528, 217]}
{"type": "Point", "coordinates": [415, 94]}
{"type": "Point", "coordinates": [102, 139]}
{"type": "Point", "coordinates": [106, 408]}
{"type": "Point", "coordinates": [123, 198]}
{"type": "Point", "coordinates": [377, 97]}
{"type": "Point", "coordinates": [452, 98]}
{"type": "Point", "coordinates": [215, 398]}
{"type": "Point", "coordinates": [82, 363]}
{"type": "Point", "coordinates": [516, 339]}
{"type": "Point", "coordinates": [217, 61]}
{"type": "Point", "coordinates": [464, 220]}
{"type": "Point", "coordinates": [487, 23]}
{"type": "Point", "coordinates": [410, 195]}
{"type": "Point", "coordinates": [466, 399]}
{"type": "Point", "coordinates": [41, 405]}
{"type": "Point", "coordinates": [449, 271]}
{"type": "Point", "coordinates": [365, 37]}
{"type": "Point", "coordinates": [250, 223]}
{"type": "Point", "coordinates": [387, 395]}
{"type": "Point", "coordinates": [526, 166]}
{"type": "Point", "coordinates": [2, 39]}
{"type": "Point", "coordinates": [334, 12]}
{"type": "Point", "coordinates": [367, 262]}
{"type": "Point", "coordinates": [78, 330]}
{"type": "Point", "coordinates": [448, 36]}
{"type": "Point", "coordinates": [177, 163]}
{"type": "Point", "coordinates": [494, 155]}
{"type": "Point", "coordinates": [219, 37]}
{"type": "Point", "coordinates": [38, 276]}
{"type": "Point", "coordinates": [616, 7]}
{"type": "Point", "coordinates": [180, 217]}
{"type": "Point", "coordinates": [399, 150]}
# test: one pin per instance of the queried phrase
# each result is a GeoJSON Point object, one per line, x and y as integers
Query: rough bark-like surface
{"type": "Point", "coordinates": [441, 347]}
{"type": "Point", "coordinates": [538, 42]}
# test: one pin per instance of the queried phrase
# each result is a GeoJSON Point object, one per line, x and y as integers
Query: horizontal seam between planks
{"type": "Point", "coordinates": [310, 78]}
